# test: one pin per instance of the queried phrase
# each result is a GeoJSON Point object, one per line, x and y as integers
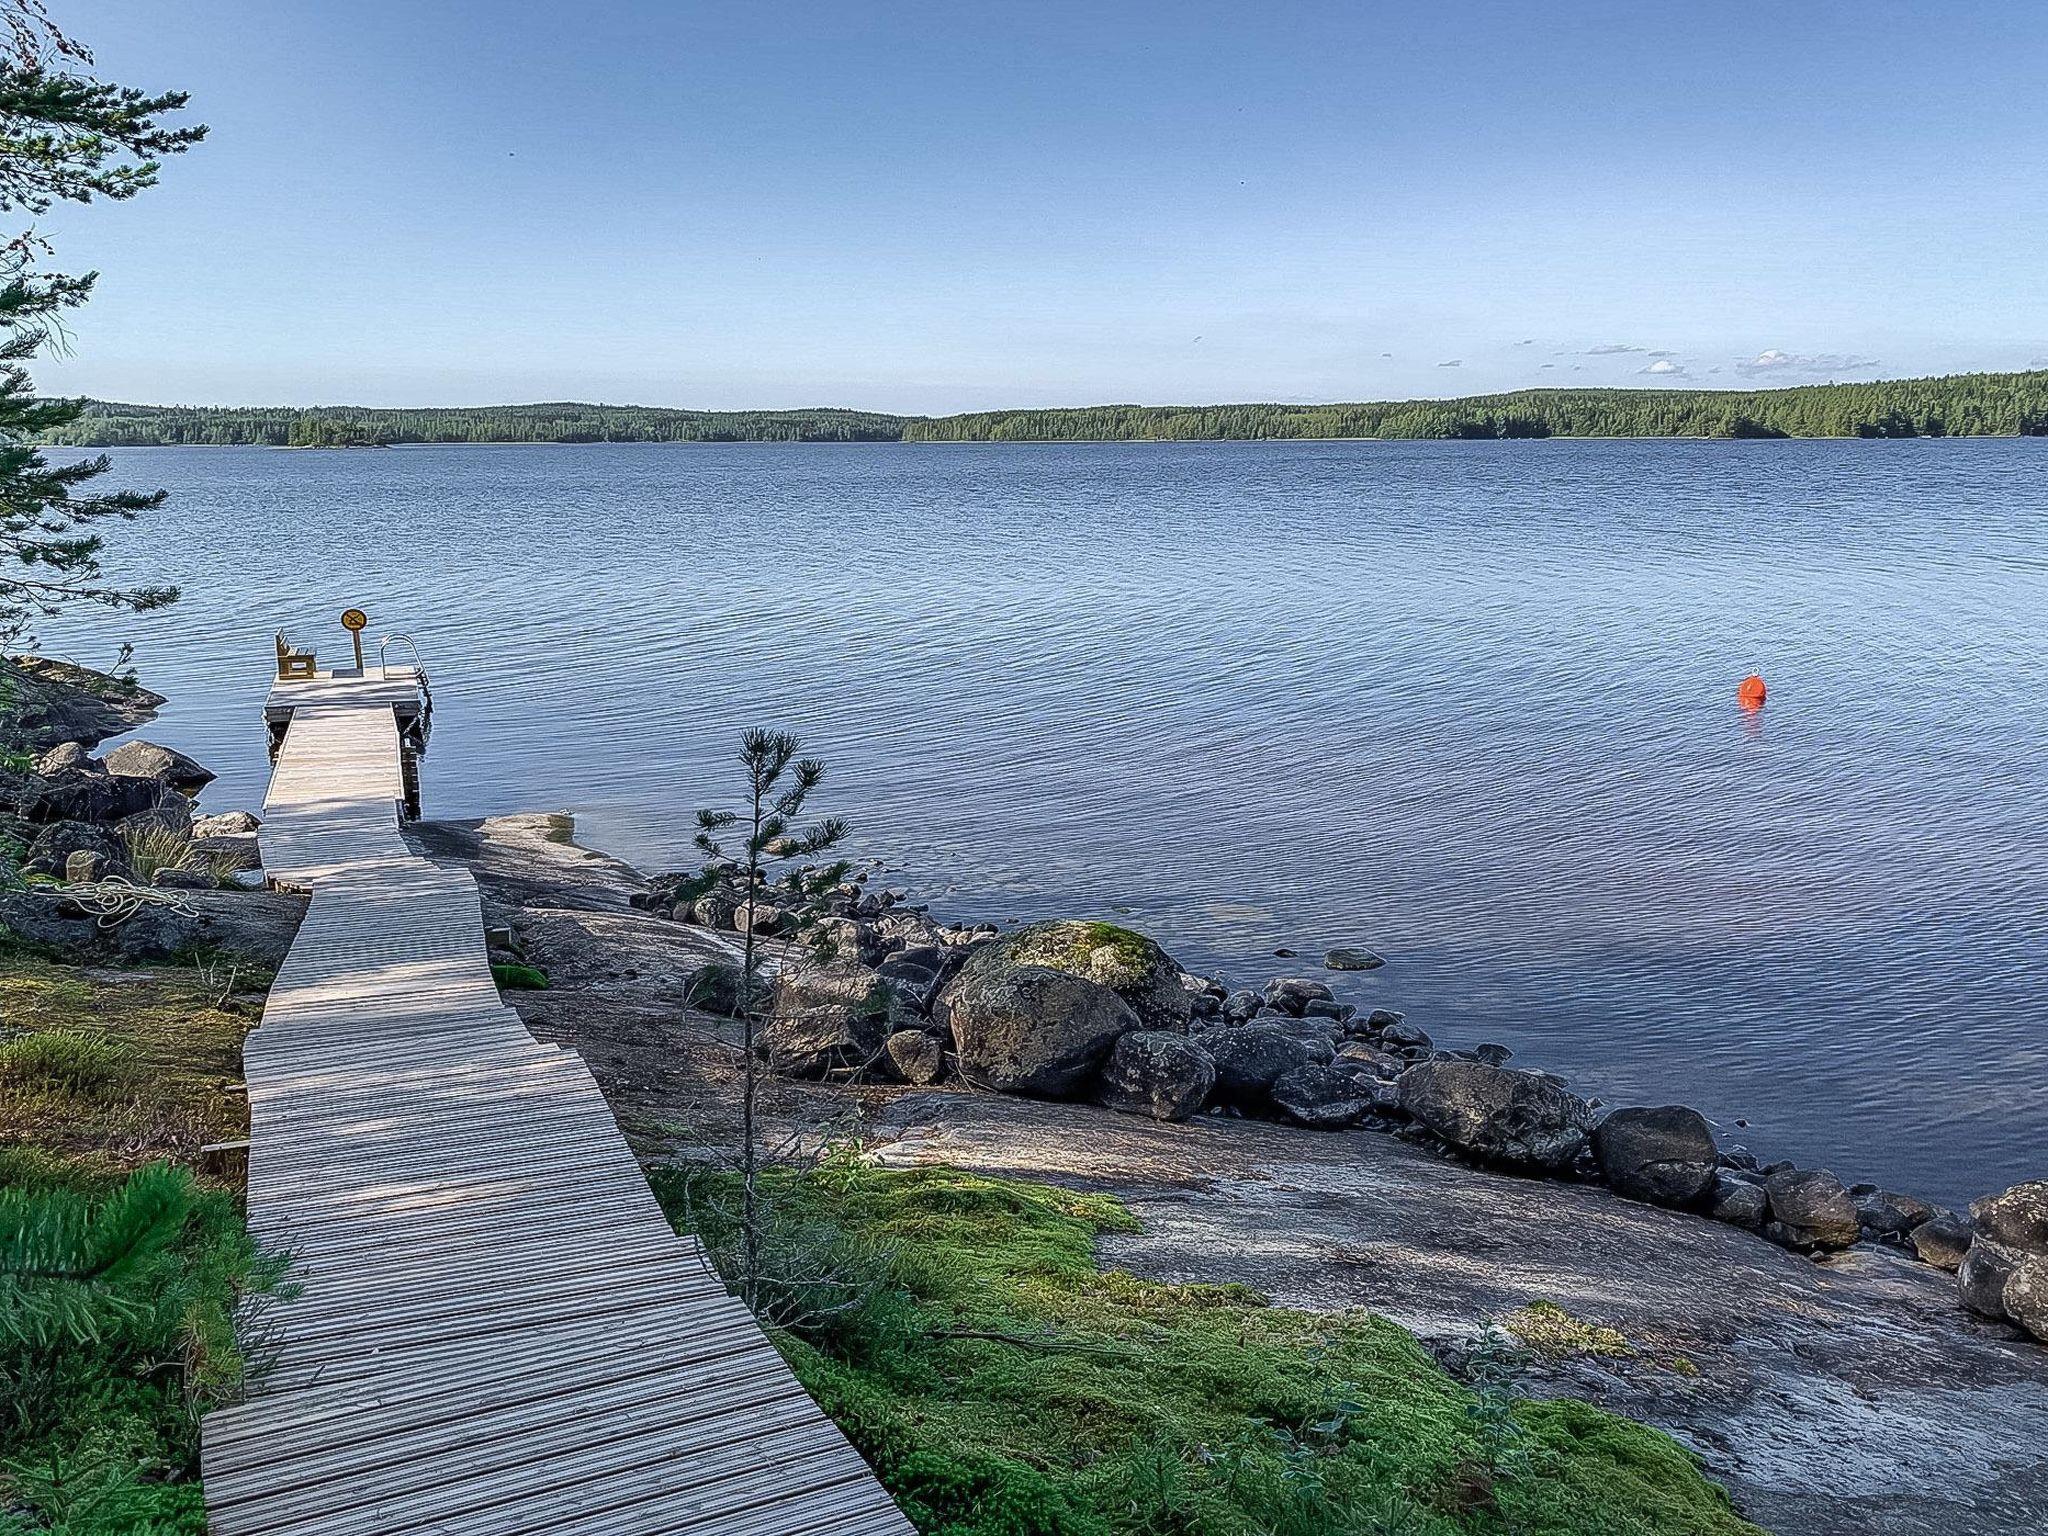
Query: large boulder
{"type": "Point", "coordinates": [51, 702]}
{"type": "Point", "coordinates": [1810, 1210]}
{"type": "Point", "coordinates": [1250, 1058]}
{"type": "Point", "coordinates": [1981, 1280]}
{"type": "Point", "coordinates": [1031, 1029]}
{"type": "Point", "coordinates": [1157, 1072]}
{"type": "Point", "coordinates": [1128, 964]}
{"type": "Point", "coordinates": [827, 1018]}
{"type": "Point", "coordinates": [82, 791]}
{"type": "Point", "coordinates": [1664, 1155]}
{"type": "Point", "coordinates": [163, 765]}
{"type": "Point", "coordinates": [226, 824]}
{"type": "Point", "coordinates": [2017, 1217]}
{"type": "Point", "coordinates": [2005, 1273]}
{"type": "Point", "coordinates": [1515, 1119]}
{"type": "Point", "coordinates": [716, 988]}
{"type": "Point", "coordinates": [1323, 1098]}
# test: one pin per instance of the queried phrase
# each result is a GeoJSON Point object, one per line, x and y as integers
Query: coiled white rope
{"type": "Point", "coordinates": [112, 901]}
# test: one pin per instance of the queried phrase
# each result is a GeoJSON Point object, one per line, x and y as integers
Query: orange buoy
{"type": "Point", "coordinates": [1749, 693]}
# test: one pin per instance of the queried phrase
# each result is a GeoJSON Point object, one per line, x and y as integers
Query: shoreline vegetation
{"type": "Point", "coordinates": [1955, 405]}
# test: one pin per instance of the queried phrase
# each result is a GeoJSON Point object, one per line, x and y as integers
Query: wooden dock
{"type": "Point", "coordinates": [497, 1331]}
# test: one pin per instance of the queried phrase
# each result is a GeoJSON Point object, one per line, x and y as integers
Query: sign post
{"type": "Point", "coordinates": [355, 621]}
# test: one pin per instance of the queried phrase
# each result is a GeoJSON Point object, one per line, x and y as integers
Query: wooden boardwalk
{"type": "Point", "coordinates": [497, 1331]}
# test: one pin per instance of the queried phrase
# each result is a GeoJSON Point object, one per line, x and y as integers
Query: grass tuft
{"type": "Point", "coordinates": [66, 1061]}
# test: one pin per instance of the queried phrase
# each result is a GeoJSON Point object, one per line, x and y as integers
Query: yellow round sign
{"type": "Point", "coordinates": [355, 620]}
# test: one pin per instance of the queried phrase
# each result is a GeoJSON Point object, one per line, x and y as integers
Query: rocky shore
{"type": "Point", "coordinates": [1085, 1010]}
{"type": "Point", "coordinates": [1838, 1393]}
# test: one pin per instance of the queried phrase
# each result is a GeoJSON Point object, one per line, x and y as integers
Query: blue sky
{"type": "Point", "coordinates": [932, 207]}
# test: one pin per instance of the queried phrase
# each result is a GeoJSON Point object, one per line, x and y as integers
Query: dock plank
{"type": "Point", "coordinates": [496, 1332]}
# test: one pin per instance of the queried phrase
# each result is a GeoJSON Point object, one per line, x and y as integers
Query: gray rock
{"type": "Point", "coordinates": [1515, 1119]}
{"type": "Point", "coordinates": [1357, 1055]}
{"type": "Point", "coordinates": [228, 851]}
{"type": "Point", "coordinates": [180, 878]}
{"type": "Point", "coordinates": [1982, 1276]}
{"type": "Point", "coordinates": [1738, 1202]}
{"type": "Point", "coordinates": [1130, 965]}
{"type": "Point", "coordinates": [1352, 958]}
{"type": "Point", "coordinates": [63, 758]}
{"type": "Point", "coordinates": [1291, 995]}
{"type": "Point", "coordinates": [170, 815]}
{"type": "Point", "coordinates": [1492, 1053]}
{"type": "Point", "coordinates": [827, 1018]}
{"type": "Point", "coordinates": [50, 853]}
{"type": "Point", "coordinates": [2026, 1294]}
{"type": "Point", "coordinates": [1249, 1057]}
{"type": "Point", "coordinates": [918, 1057]}
{"type": "Point", "coordinates": [227, 824]}
{"type": "Point", "coordinates": [1810, 1210]}
{"type": "Point", "coordinates": [255, 927]}
{"type": "Point", "coordinates": [166, 765]}
{"type": "Point", "coordinates": [762, 918]}
{"type": "Point", "coordinates": [1407, 1037]}
{"type": "Point", "coordinates": [85, 867]}
{"type": "Point", "coordinates": [1157, 1072]}
{"type": "Point", "coordinates": [715, 988]}
{"type": "Point", "coordinates": [2017, 1217]}
{"type": "Point", "coordinates": [1240, 1006]}
{"type": "Point", "coordinates": [1664, 1155]}
{"type": "Point", "coordinates": [1030, 1029]}
{"type": "Point", "coordinates": [85, 792]}
{"type": "Point", "coordinates": [1322, 1098]}
{"type": "Point", "coordinates": [714, 909]}
{"type": "Point", "coordinates": [53, 702]}
{"type": "Point", "coordinates": [1889, 1215]}
{"type": "Point", "coordinates": [1942, 1240]}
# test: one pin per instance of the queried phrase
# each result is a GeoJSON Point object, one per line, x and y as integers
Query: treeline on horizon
{"type": "Point", "coordinates": [1959, 405]}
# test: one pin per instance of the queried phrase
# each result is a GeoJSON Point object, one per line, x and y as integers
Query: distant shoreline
{"type": "Point", "coordinates": [1959, 405]}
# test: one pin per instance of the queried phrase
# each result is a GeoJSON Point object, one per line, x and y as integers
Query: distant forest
{"type": "Point", "coordinates": [1961, 405]}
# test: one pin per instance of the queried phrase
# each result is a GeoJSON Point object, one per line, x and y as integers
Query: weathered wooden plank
{"type": "Point", "coordinates": [497, 1331]}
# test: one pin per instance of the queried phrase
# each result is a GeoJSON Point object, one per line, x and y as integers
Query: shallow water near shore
{"type": "Point", "coordinates": [1472, 704]}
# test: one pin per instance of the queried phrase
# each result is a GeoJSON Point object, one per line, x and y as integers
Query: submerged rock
{"type": "Point", "coordinates": [1515, 1119]}
{"type": "Point", "coordinates": [1352, 957]}
{"type": "Point", "coordinates": [1664, 1155]}
{"type": "Point", "coordinates": [1030, 1029]}
{"type": "Point", "coordinates": [1157, 1072]}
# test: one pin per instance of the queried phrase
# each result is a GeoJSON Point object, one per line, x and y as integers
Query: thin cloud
{"type": "Point", "coordinates": [2037, 362]}
{"type": "Point", "coordinates": [1773, 361]}
{"type": "Point", "coordinates": [1529, 343]}
{"type": "Point", "coordinates": [1661, 352]}
{"type": "Point", "coordinates": [1664, 368]}
{"type": "Point", "coordinates": [1456, 362]}
{"type": "Point", "coordinates": [1611, 349]}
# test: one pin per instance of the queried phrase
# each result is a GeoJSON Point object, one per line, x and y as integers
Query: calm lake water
{"type": "Point", "coordinates": [1472, 704]}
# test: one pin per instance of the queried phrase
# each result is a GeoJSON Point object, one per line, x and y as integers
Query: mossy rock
{"type": "Point", "coordinates": [513, 977]}
{"type": "Point", "coordinates": [1137, 970]}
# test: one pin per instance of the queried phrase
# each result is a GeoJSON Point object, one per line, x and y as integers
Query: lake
{"type": "Point", "coordinates": [1472, 704]}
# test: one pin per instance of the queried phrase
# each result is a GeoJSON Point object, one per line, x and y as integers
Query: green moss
{"type": "Point", "coordinates": [1551, 1331]}
{"type": "Point", "coordinates": [1003, 1383]}
{"type": "Point", "coordinates": [513, 977]}
{"type": "Point", "coordinates": [1102, 952]}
